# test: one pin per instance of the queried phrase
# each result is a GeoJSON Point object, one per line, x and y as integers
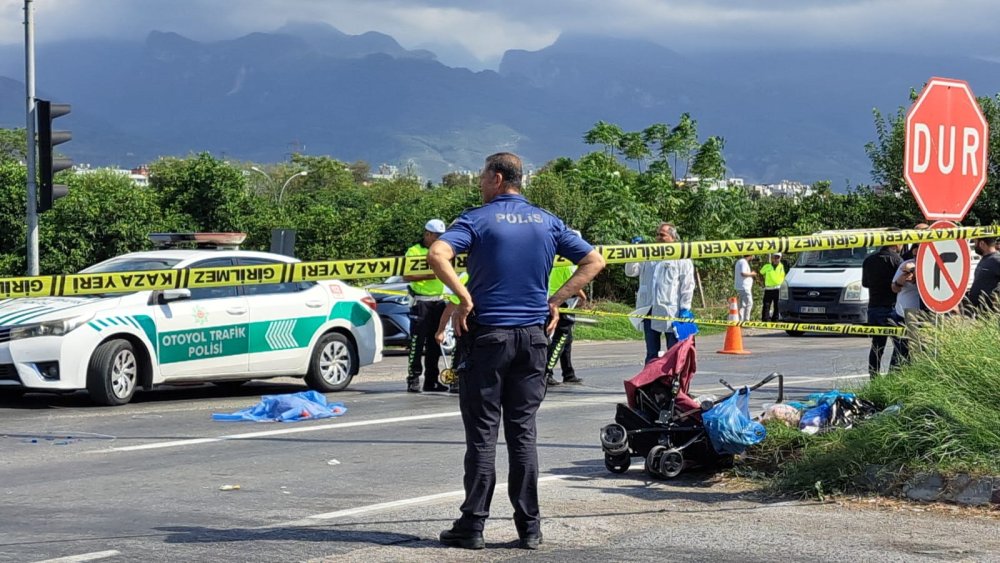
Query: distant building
{"type": "Point", "coordinates": [785, 188]}
{"type": "Point", "coordinates": [139, 175]}
{"type": "Point", "coordinates": [711, 185]}
{"type": "Point", "coordinates": [386, 172]}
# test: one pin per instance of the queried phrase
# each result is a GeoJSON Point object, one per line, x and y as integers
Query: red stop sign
{"type": "Point", "coordinates": [945, 154]}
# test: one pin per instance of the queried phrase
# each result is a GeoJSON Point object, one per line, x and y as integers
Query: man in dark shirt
{"type": "Point", "coordinates": [987, 273]}
{"type": "Point", "coordinates": [501, 320]}
{"type": "Point", "coordinates": [877, 273]}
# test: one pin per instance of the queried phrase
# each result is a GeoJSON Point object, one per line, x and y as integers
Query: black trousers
{"type": "Point", "coordinates": [424, 319]}
{"type": "Point", "coordinates": [770, 313]}
{"type": "Point", "coordinates": [564, 327]}
{"type": "Point", "coordinates": [504, 381]}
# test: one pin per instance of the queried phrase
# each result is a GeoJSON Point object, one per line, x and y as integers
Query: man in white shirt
{"type": "Point", "coordinates": [665, 289]}
{"type": "Point", "coordinates": [743, 277]}
{"type": "Point", "coordinates": [904, 285]}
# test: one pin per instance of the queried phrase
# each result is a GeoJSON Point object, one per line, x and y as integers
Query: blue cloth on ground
{"type": "Point", "coordinates": [729, 425]}
{"type": "Point", "coordinates": [828, 399]}
{"type": "Point", "coordinates": [291, 407]}
{"type": "Point", "coordinates": [682, 329]}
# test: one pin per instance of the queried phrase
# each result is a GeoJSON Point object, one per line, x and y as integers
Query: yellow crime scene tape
{"type": "Point", "coordinates": [369, 268]}
{"type": "Point", "coordinates": [862, 330]}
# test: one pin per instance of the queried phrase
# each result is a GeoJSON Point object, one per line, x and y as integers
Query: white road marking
{"type": "Point", "coordinates": [557, 403]}
{"type": "Point", "coordinates": [83, 557]}
{"type": "Point", "coordinates": [297, 430]}
{"type": "Point", "coordinates": [310, 520]}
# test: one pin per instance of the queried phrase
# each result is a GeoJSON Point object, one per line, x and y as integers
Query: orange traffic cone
{"type": "Point", "coordinates": [734, 335]}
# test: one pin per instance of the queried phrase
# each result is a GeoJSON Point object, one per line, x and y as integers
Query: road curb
{"type": "Point", "coordinates": [958, 489]}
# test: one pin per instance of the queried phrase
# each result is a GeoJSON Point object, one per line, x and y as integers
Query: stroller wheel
{"type": "Point", "coordinates": [671, 463]}
{"type": "Point", "coordinates": [617, 463]}
{"type": "Point", "coordinates": [653, 461]}
{"type": "Point", "coordinates": [614, 439]}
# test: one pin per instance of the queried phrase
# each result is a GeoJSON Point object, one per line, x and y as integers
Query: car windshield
{"type": "Point", "coordinates": [131, 265]}
{"type": "Point", "coordinates": [840, 258]}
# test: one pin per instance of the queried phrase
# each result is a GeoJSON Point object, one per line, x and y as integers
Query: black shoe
{"type": "Point", "coordinates": [530, 541]}
{"type": "Point", "coordinates": [551, 381]}
{"type": "Point", "coordinates": [413, 386]}
{"type": "Point", "coordinates": [436, 388]}
{"type": "Point", "coordinates": [466, 539]}
{"type": "Point", "coordinates": [572, 380]}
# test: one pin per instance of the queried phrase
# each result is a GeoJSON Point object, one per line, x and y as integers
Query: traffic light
{"type": "Point", "coordinates": [48, 164]}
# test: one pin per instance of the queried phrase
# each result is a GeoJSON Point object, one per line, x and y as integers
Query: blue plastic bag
{"type": "Point", "coordinates": [729, 425]}
{"type": "Point", "coordinates": [292, 407]}
{"type": "Point", "coordinates": [682, 329]}
{"type": "Point", "coordinates": [815, 418]}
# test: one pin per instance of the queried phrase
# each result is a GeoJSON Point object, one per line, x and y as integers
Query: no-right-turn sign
{"type": "Point", "coordinates": [943, 271]}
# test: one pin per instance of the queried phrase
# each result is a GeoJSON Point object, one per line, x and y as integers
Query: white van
{"type": "Point", "coordinates": [824, 286]}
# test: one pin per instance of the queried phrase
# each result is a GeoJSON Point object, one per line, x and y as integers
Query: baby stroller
{"type": "Point", "coordinates": [662, 423]}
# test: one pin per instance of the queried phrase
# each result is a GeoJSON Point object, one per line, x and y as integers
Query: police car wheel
{"type": "Point", "coordinates": [334, 363]}
{"type": "Point", "coordinates": [794, 332]}
{"type": "Point", "coordinates": [113, 373]}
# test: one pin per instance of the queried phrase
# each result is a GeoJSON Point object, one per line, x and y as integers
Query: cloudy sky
{"type": "Point", "coordinates": [478, 32]}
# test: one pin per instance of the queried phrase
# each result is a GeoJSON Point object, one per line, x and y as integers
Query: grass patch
{"type": "Point", "coordinates": [949, 419]}
{"type": "Point", "coordinates": [607, 328]}
{"type": "Point", "coordinates": [620, 328]}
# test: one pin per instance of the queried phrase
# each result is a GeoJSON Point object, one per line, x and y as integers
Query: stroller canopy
{"type": "Point", "coordinates": [678, 363]}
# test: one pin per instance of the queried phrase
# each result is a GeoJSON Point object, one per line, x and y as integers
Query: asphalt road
{"type": "Point", "coordinates": [143, 481]}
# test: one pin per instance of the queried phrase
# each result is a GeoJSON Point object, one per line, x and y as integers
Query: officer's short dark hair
{"type": "Point", "coordinates": [508, 165]}
{"type": "Point", "coordinates": [990, 241]}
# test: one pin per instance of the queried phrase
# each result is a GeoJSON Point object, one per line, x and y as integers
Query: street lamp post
{"type": "Point", "coordinates": [270, 180]}
{"type": "Point", "coordinates": [289, 181]}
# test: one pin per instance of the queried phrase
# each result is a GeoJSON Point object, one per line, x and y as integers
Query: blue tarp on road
{"type": "Point", "coordinates": [292, 407]}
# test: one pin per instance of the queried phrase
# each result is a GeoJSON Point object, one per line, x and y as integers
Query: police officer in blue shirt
{"type": "Point", "coordinates": [501, 316]}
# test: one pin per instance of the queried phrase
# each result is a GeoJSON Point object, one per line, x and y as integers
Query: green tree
{"type": "Point", "coordinates": [709, 163]}
{"type": "Point", "coordinates": [104, 215]}
{"type": "Point", "coordinates": [886, 151]}
{"type": "Point", "coordinates": [607, 134]}
{"type": "Point", "coordinates": [13, 181]}
{"type": "Point", "coordinates": [633, 147]}
{"type": "Point", "coordinates": [683, 141]}
{"type": "Point", "coordinates": [202, 193]}
{"type": "Point", "coordinates": [361, 171]}
{"type": "Point", "coordinates": [13, 145]}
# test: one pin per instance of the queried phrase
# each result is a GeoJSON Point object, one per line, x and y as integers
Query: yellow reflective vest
{"type": "Point", "coordinates": [773, 275]}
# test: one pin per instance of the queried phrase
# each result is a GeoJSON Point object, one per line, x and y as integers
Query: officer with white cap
{"type": "Point", "coordinates": [425, 313]}
{"type": "Point", "coordinates": [774, 274]}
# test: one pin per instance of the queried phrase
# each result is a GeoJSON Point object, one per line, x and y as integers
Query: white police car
{"type": "Point", "coordinates": [111, 344]}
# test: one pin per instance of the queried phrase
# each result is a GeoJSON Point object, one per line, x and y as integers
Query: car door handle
{"type": "Point", "coordinates": [315, 304]}
{"type": "Point", "coordinates": [237, 311]}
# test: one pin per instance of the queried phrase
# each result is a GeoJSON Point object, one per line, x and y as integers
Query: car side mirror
{"type": "Point", "coordinates": [169, 295]}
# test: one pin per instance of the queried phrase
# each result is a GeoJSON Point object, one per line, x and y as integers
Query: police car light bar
{"type": "Point", "coordinates": [226, 241]}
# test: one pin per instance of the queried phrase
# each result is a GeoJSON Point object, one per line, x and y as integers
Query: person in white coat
{"type": "Point", "coordinates": [665, 289]}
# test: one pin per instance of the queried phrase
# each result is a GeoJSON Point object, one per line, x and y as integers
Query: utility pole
{"type": "Point", "coordinates": [29, 83]}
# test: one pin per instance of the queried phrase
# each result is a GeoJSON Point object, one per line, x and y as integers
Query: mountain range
{"type": "Point", "coordinates": [308, 87]}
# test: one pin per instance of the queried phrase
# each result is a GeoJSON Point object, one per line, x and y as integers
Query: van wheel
{"type": "Point", "coordinates": [795, 332]}
{"type": "Point", "coordinates": [113, 373]}
{"type": "Point", "coordinates": [334, 363]}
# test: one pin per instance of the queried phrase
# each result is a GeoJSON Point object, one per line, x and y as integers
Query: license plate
{"type": "Point", "coordinates": [812, 310]}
